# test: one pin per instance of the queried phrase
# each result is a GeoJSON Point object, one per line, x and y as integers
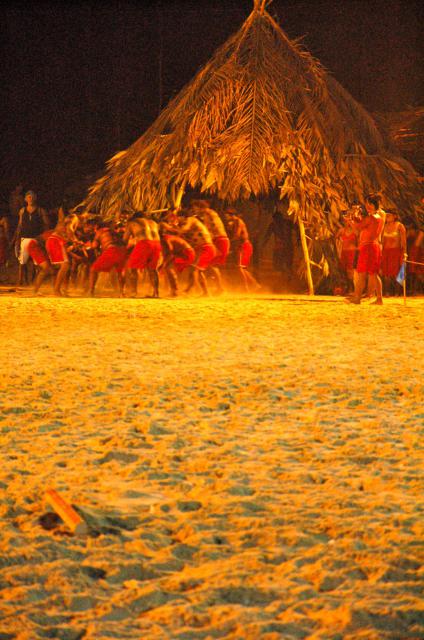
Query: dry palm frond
{"type": "Point", "coordinates": [262, 115]}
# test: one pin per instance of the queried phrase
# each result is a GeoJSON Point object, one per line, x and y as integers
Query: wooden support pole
{"type": "Point", "coordinates": [306, 256]}
{"type": "Point", "coordinates": [180, 193]}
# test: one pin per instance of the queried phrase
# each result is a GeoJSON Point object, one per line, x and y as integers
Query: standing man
{"type": "Point", "coordinates": [243, 249]}
{"type": "Point", "coordinates": [198, 237]}
{"type": "Point", "coordinates": [216, 228]}
{"type": "Point", "coordinates": [369, 259]}
{"type": "Point", "coordinates": [142, 234]}
{"type": "Point", "coordinates": [32, 222]}
{"type": "Point", "coordinates": [113, 257]}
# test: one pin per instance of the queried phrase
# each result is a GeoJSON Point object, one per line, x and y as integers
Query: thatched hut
{"type": "Point", "coordinates": [262, 117]}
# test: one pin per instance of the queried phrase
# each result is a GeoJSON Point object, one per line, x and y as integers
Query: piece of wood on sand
{"type": "Point", "coordinates": [68, 514]}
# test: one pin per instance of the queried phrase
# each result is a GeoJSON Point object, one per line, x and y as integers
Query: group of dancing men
{"type": "Point", "coordinates": [373, 244]}
{"type": "Point", "coordinates": [197, 240]}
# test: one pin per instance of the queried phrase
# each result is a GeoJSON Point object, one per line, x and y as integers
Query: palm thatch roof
{"type": "Point", "coordinates": [406, 130]}
{"type": "Point", "coordinates": [262, 115]}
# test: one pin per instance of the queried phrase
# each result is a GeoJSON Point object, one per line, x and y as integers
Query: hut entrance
{"type": "Point", "coordinates": [277, 247]}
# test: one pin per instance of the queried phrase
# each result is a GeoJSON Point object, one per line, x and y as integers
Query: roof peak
{"type": "Point", "coordinates": [259, 5]}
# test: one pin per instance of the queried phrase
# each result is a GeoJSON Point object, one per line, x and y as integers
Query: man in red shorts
{"type": "Point", "coordinates": [369, 258]}
{"type": "Point", "coordinates": [56, 247]}
{"type": "Point", "coordinates": [142, 234]}
{"type": "Point", "coordinates": [198, 237]}
{"type": "Point", "coordinates": [178, 253]}
{"type": "Point", "coordinates": [221, 242]}
{"type": "Point", "coordinates": [112, 257]}
{"type": "Point", "coordinates": [239, 238]}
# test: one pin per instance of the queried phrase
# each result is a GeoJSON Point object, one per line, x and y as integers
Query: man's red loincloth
{"type": "Point", "coordinates": [145, 255]}
{"type": "Point", "coordinates": [245, 254]}
{"type": "Point", "coordinates": [222, 246]}
{"type": "Point", "coordinates": [113, 257]}
{"type": "Point", "coordinates": [205, 256]}
{"type": "Point", "coordinates": [36, 253]}
{"type": "Point", "coordinates": [56, 249]}
{"type": "Point", "coordinates": [369, 259]}
{"type": "Point", "coordinates": [391, 260]}
{"type": "Point", "coordinates": [182, 262]}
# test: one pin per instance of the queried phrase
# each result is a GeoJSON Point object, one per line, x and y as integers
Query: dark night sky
{"type": "Point", "coordinates": [81, 81]}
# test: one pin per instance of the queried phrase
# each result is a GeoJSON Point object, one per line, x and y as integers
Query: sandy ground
{"type": "Point", "coordinates": [249, 468]}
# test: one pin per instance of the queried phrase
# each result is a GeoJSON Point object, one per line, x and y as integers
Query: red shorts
{"type": "Point", "coordinates": [3, 251]}
{"type": "Point", "coordinates": [369, 259]}
{"type": "Point", "coordinates": [391, 260]}
{"type": "Point", "coordinates": [113, 257]}
{"type": "Point", "coordinates": [222, 246]}
{"type": "Point", "coordinates": [347, 259]}
{"type": "Point", "coordinates": [56, 250]}
{"type": "Point", "coordinates": [205, 256]}
{"type": "Point", "coordinates": [182, 262]}
{"type": "Point", "coordinates": [36, 253]}
{"type": "Point", "coordinates": [245, 254]}
{"type": "Point", "coordinates": [416, 254]}
{"type": "Point", "coordinates": [146, 254]}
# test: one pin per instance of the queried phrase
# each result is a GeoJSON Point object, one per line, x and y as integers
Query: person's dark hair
{"type": "Point", "coordinates": [374, 199]}
{"type": "Point", "coordinates": [393, 213]}
{"type": "Point", "coordinates": [201, 204]}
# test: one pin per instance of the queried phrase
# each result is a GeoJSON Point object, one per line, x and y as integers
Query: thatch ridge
{"type": "Point", "coordinates": [261, 115]}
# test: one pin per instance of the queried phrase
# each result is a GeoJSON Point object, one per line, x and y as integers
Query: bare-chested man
{"type": "Point", "coordinates": [216, 228]}
{"type": "Point", "coordinates": [239, 238]}
{"type": "Point", "coordinates": [142, 234]}
{"type": "Point", "coordinates": [57, 244]}
{"type": "Point", "coordinates": [369, 259]}
{"type": "Point", "coordinates": [178, 253]}
{"type": "Point", "coordinates": [112, 258]}
{"type": "Point", "coordinates": [198, 237]}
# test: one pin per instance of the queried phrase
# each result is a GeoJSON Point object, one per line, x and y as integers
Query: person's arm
{"type": "Point", "coordinates": [402, 235]}
{"type": "Point", "coordinates": [5, 225]}
{"type": "Point", "coordinates": [127, 234]}
{"type": "Point", "coordinates": [183, 228]}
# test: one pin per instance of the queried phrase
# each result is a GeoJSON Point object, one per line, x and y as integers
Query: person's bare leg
{"type": "Point", "coordinates": [21, 271]}
{"type": "Point", "coordinates": [192, 280]}
{"type": "Point", "coordinates": [375, 280]}
{"type": "Point", "coordinates": [154, 280]}
{"type": "Point", "coordinates": [217, 275]}
{"type": "Point", "coordinates": [131, 280]}
{"type": "Point", "coordinates": [173, 281]}
{"type": "Point", "coordinates": [92, 282]}
{"type": "Point", "coordinates": [44, 271]}
{"type": "Point", "coordinates": [121, 282]}
{"type": "Point", "coordinates": [202, 282]}
{"type": "Point", "coordinates": [250, 280]}
{"type": "Point", "coordinates": [359, 287]}
{"type": "Point", "coordinates": [60, 278]}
